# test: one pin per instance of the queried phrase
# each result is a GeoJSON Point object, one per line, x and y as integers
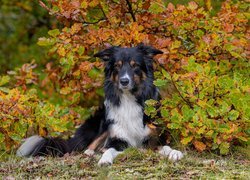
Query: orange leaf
{"type": "Point", "coordinates": [228, 27]}
{"type": "Point", "coordinates": [170, 7]}
{"type": "Point", "coordinates": [200, 146]}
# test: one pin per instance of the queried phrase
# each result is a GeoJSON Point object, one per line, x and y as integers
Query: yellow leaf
{"type": "Point", "coordinates": [76, 28]}
{"type": "Point", "coordinates": [61, 51]}
{"type": "Point", "coordinates": [84, 5]}
{"type": "Point", "coordinates": [186, 140]}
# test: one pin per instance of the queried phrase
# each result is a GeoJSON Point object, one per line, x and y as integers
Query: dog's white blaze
{"type": "Point", "coordinates": [28, 146]}
{"type": "Point", "coordinates": [129, 86]}
{"type": "Point", "coordinates": [126, 76]}
{"type": "Point", "coordinates": [128, 120]}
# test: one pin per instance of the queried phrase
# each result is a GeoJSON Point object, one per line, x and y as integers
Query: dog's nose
{"type": "Point", "coordinates": [124, 81]}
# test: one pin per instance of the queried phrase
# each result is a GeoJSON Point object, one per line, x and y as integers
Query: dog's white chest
{"type": "Point", "coordinates": [128, 120]}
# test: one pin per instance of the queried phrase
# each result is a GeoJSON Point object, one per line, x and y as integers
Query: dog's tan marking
{"type": "Point", "coordinates": [132, 63]}
{"type": "Point", "coordinates": [114, 77]}
{"type": "Point", "coordinates": [137, 79]}
{"type": "Point", "coordinates": [144, 76]}
{"type": "Point", "coordinates": [98, 142]}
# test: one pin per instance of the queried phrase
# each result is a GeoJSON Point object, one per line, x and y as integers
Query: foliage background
{"type": "Point", "coordinates": [203, 73]}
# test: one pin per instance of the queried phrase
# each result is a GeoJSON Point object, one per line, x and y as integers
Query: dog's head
{"type": "Point", "coordinates": [128, 67]}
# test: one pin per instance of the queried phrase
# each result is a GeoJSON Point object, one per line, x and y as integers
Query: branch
{"type": "Point", "coordinates": [131, 10]}
{"type": "Point", "coordinates": [188, 103]}
{"type": "Point", "coordinates": [104, 14]}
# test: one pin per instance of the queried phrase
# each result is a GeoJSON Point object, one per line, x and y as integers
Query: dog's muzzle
{"type": "Point", "coordinates": [125, 83]}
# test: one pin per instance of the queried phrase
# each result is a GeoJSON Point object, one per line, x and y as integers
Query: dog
{"type": "Point", "coordinates": [121, 122]}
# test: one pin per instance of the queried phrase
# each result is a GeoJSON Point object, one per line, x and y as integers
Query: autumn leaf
{"type": "Point", "coordinates": [170, 7]}
{"type": "Point", "coordinates": [200, 146]}
{"type": "Point", "coordinates": [192, 5]}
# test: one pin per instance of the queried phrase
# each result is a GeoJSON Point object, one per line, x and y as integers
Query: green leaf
{"type": "Point", "coordinates": [175, 116]}
{"type": "Point", "coordinates": [54, 32]}
{"type": "Point", "coordinates": [174, 125]}
{"type": "Point", "coordinates": [233, 115]}
{"type": "Point", "coordinates": [94, 73]}
{"type": "Point", "coordinates": [224, 148]}
{"type": "Point", "coordinates": [187, 113]}
{"type": "Point", "coordinates": [243, 138]}
{"type": "Point", "coordinates": [166, 74]}
{"type": "Point", "coordinates": [160, 82]}
{"type": "Point", "coordinates": [186, 140]}
{"type": "Point", "coordinates": [15, 137]}
{"type": "Point", "coordinates": [150, 110]}
{"type": "Point", "coordinates": [4, 89]}
{"type": "Point", "coordinates": [81, 50]}
{"type": "Point", "coordinates": [223, 128]}
{"type": "Point", "coordinates": [200, 33]}
{"type": "Point", "coordinates": [151, 102]}
{"type": "Point", "coordinates": [4, 80]}
{"type": "Point", "coordinates": [1, 137]}
{"type": "Point", "coordinates": [156, 7]}
{"type": "Point", "coordinates": [21, 128]}
{"type": "Point", "coordinates": [55, 9]}
{"type": "Point", "coordinates": [45, 41]}
{"type": "Point", "coordinates": [76, 97]}
{"type": "Point", "coordinates": [229, 47]}
{"type": "Point", "coordinates": [226, 82]}
{"type": "Point", "coordinates": [165, 113]}
{"type": "Point", "coordinates": [212, 112]}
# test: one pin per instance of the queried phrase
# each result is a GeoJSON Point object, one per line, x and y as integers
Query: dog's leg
{"type": "Point", "coordinates": [172, 154]}
{"type": "Point", "coordinates": [114, 147]}
{"type": "Point", "coordinates": [90, 151]}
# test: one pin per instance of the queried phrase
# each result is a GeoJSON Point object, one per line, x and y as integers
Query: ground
{"type": "Point", "coordinates": [133, 164]}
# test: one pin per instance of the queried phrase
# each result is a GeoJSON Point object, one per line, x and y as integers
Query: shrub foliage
{"type": "Point", "coordinates": [22, 112]}
{"type": "Point", "coordinates": [203, 73]}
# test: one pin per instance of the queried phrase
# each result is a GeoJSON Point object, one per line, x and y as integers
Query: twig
{"type": "Point", "coordinates": [188, 103]}
{"type": "Point", "coordinates": [131, 10]}
{"type": "Point", "coordinates": [104, 14]}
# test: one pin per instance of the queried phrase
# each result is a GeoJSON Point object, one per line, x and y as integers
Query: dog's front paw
{"type": "Point", "coordinates": [175, 155]}
{"type": "Point", "coordinates": [89, 152]}
{"type": "Point", "coordinates": [172, 154]}
{"type": "Point", "coordinates": [105, 162]}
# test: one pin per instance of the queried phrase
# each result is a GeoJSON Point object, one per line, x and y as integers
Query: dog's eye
{"type": "Point", "coordinates": [133, 64]}
{"type": "Point", "coordinates": [118, 64]}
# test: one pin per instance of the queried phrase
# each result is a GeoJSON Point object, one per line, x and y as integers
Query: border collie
{"type": "Point", "coordinates": [121, 123]}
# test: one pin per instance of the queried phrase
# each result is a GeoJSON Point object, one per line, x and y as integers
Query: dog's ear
{"type": "Point", "coordinates": [106, 54]}
{"type": "Point", "coordinates": [148, 50]}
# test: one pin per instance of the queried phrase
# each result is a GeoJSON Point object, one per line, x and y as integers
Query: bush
{"type": "Point", "coordinates": [207, 66]}
{"type": "Point", "coordinates": [22, 113]}
{"type": "Point", "coordinates": [203, 73]}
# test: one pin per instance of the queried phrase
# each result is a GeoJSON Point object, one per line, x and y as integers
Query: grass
{"type": "Point", "coordinates": [133, 164]}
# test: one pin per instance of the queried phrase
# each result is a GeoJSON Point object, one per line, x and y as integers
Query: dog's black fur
{"type": "Point", "coordinates": [127, 71]}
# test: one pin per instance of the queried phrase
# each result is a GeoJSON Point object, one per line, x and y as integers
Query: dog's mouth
{"type": "Point", "coordinates": [126, 87]}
